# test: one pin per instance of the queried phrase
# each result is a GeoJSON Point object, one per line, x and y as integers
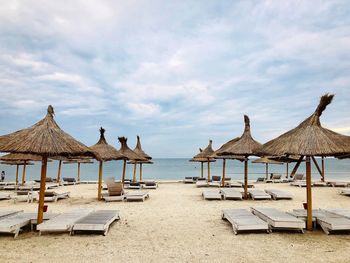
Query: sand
{"type": "Point", "coordinates": [176, 225]}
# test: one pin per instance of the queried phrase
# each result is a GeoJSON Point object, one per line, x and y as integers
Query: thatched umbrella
{"type": "Point", "coordinates": [206, 155]}
{"type": "Point", "coordinates": [138, 150]}
{"type": "Point", "coordinates": [309, 139]}
{"type": "Point", "coordinates": [128, 154]}
{"type": "Point", "coordinates": [226, 157]}
{"type": "Point", "coordinates": [139, 162]}
{"type": "Point", "coordinates": [78, 161]}
{"type": "Point", "coordinates": [245, 146]}
{"type": "Point", "coordinates": [266, 161]}
{"type": "Point", "coordinates": [201, 160]}
{"type": "Point", "coordinates": [45, 138]}
{"type": "Point", "coordinates": [106, 153]}
{"type": "Point", "coordinates": [21, 157]}
{"type": "Point", "coordinates": [17, 163]}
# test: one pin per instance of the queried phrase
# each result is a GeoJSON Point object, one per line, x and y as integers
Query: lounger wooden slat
{"type": "Point", "coordinates": [4, 214]}
{"type": "Point", "coordinates": [231, 194]}
{"type": "Point", "coordinates": [258, 194]}
{"type": "Point", "coordinates": [331, 223]}
{"type": "Point", "coordinates": [137, 196]}
{"type": "Point", "coordinates": [277, 194]}
{"type": "Point", "coordinates": [97, 221]}
{"type": "Point", "coordinates": [243, 220]}
{"type": "Point", "coordinates": [63, 222]}
{"type": "Point", "coordinates": [211, 194]}
{"type": "Point", "coordinates": [339, 211]}
{"type": "Point", "coordinates": [279, 219]}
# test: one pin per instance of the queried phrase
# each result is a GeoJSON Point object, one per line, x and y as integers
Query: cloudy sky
{"type": "Point", "coordinates": [175, 72]}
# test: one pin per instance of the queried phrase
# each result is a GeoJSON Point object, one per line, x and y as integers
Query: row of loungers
{"type": "Point", "coordinates": [302, 183]}
{"type": "Point", "coordinates": [205, 183]}
{"type": "Point", "coordinates": [85, 219]}
{"type": "Point", "coordinates": [139, 185]}
{"type": "Point", "coordinates": [31, 196]}
{"type": "Point", "coordinates": [255, 194]}
{"type": "Point", "coordinates": [268, 219]}
{"type": "Point", "coordinates": [28, 186]}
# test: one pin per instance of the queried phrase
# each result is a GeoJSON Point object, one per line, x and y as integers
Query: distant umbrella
{"type": "Point", "coordinates": [266, 161]}
{"type": "Point", "coordinates": [201, 160]}
{"type": "Point", "coordinates": [309, 139]}
{"type": "Point", "coordinates": [17, 163]}
{"type": "Point", "coordinates": [140, 163]}
{"type": "Point", "coordinates": [287, 159]}
{"type": "Point", "coordinates": [45, 138]}
{"type": "Point", "coordinates": [138, 150]}
{"type": "Point", "coordinates": [78, 162]}
{"type": "Point", "coordinates": [206, 154]}
{"type": "Point", "coordinates": [245, 146]}
{"type": "Point", "coordinates": [106, 153]}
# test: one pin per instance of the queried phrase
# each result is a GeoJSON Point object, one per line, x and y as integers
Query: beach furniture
{"type": "Point", "coordinates": [260, 180]}
{"type": "Point", "coordinates": [338, 184]}
{"type": "Point", "coordinates": [278, 219]}
{"type": "Point", "coordinates": [69, 181]}
{"type": "Point", "coordinates": [300, 183]}
{"type": "Point", "coordinates": [202, 183]}
{"type": "Point", "coordinates": [189, 180]}
{"type": "Point", "coordinates": [236, 184]}
{"type": "Point", "coordinates": [115, 192]}
{"type": "Point", "coordinates": [24, 196]}
{"type": "Point", "coordinates": [298, 177]}
{"type": "Point", "coordinates": [150, 185]}
{"type": "Point", "coordinates": [302, 214]}
{"type": "Point", "coordinates": [29, 187]}
{"type": "Point", "coordinates": [4, 196]}
{"type": "Point", "coordinates": [10, 187]}
{"type": "Point", "coordinates": [63, 222]}
{"type": "Point", "coordinates": [275, 178]}
{"type": "Point", "coordinates": [231, 194]}
{"type": "Point", "coordinates": [6, 213]}
{"type": "Point", "coordinates": [344, 192]}
{"type": "Point", "coordinates": [133, 185]}
{"type": "Point", "coordinates": [249, 185]}
{"type": "Point", "coordinates": [339, 211]}
{"type": "Point", "coordinates": [137, 196]}
{"type": "Point", "coordinates": [211, 194]}
{"type": "Point", "coordinates": [258, 194]}
{"type": "Point", "coordinates": [277, 194]}
{"type": "Point", "coordinates": [333, 221]}
{"type": "Point", "coordinates": [52, 196]}
{"type": "Point", "coordinates": [51, 185]}
{"type": "Point", "coordinates": [97, 221]}
{"type": "Point", "coordinates": [12, 224]}
{"type": "Point", "coordinates": [319, 184]}
{"type": "Point", "coordinates": [244, 220]}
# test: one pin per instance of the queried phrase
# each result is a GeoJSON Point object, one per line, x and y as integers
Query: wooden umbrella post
{"type": "Point", "coordinates": [201, 169]}
{"type": "Point", "coordinates": [99, 189]}
{"type": "Point", "coordinates": [267, 170]}
{"type": "Point", "coordinates": [134, 175]}
{"type": "Point", "coordinates": [24, 172]}
{"type": "Point", "coordinates": [59, 171]}
{"type": "Point", "coordinates": [124, 169]}
{"type": "Point", "coordinates": [287, 166]}
{"type": "Point", "coordinates": [322, 176]}
{"type": "Point", "coordinates": [42, 190]}
{"type": "Point", "coordinates": [140, 172]}
{"type": "Point", "coordinates": [308, 194]}
{"type": "Point", "coordinates": [246, 178]}
{"type": "Point", "coordinates": [223, 172]}
{"type": "Point", "coordinates": [78, 179]}
{"type": "Point", "coordinates": [208, 170]}
{"type": "Point", "coordinates": [17, 167]}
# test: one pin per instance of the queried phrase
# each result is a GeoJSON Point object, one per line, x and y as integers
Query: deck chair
{"type": "Point", "coordinates": [302, 214]}
{"type": "Point", "coordinates": [275, 178]}
{"type": "Point", "coordinates": [258, 194]}
{"type": "Point", "coordinates": [63, 222]}
{"type": "Point", "coordinates": [52, 196]}
{"type": "Point", "coordinates": [338, 184]}
{"type": "Point", "coordinates": [243, 220]}
{"type": "Point", "coordinates": [339, 211]}
{"type": "Point", "coordinates": [97, 221]}
{"type": "Point", "coordinates": [277, 194]}
{"type": "Point", "coordinates": [249, 185]}
{"type": "Point", "coordinates": [211, 194]}
{"type": "Point", "coordinates": [24, 196]}
{"type": "Point", "coordinates": [6, 213]}
{"type": "Point", "coordinates": [4, 196]}
{"type": "Point", "coordinates": [334, 221]}
{"type": "Point", "coordinates": [137, 196]}
{"type": "Point", "coordinates": [12, 224]}
{"type": "Point", "coordinates": [231, 194]}
{"type": "Point", "coordinates": [236, 184]}
{"type": "Point", "coordinates": [278, 219]}
{"type": "Point", "coordinates": [69, 181]}
{"type": "Point", "coordinates": [300, 183]}
{"type": "Point", "coordinates": [150, 184]}
{"type": "Point", "coordinates": [115, 192]}
{"type": "Point", "coordinates": [344, 192]}
{"type": "Point", "coordinates": [189, 180]}
{"type": "Point", "coordinates": [298, 177]}
{"type": "Point", "coordinates": [260, 180]}
{"type": "Point", "coordinates": [202, 183]}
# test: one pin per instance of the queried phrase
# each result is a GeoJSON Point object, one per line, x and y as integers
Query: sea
{"type": "Point", "coordinates": [177, 169]}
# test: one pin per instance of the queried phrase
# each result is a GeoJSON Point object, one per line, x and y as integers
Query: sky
{"type": "Point", "coordinates": [177, 73]}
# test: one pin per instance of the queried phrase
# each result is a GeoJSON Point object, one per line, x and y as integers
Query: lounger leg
{"type": "Point", "coordinates": [16, 233]}
{"type": "Point", "coordinates": [324, 229]}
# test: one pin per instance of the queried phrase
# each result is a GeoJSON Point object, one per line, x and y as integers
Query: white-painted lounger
{"type": "Point", "coordinates": [202, 183]}
{"type": "Point", "coordinates": [338, 184]}
{"type": "Point", "coordinates": [333, 222]}
{"type": "Point", "coordinates": [231, 194]}
{"type": "Point", "coordinates": [6, 213]}
{"type": "Point", "coordinates": [344, 192]}
{"type": "Point", "coordinates": [278, 219]}
{"type": "Point", "coordinates": [211, 194]}
{"type": "Point", "coordinates": [299, 183]}
{"type": "Point", "coordinates": [12, 224]}
{"type": "Point", "coordinates": [98, 221]}
{"type": "Point", "coordinates": [243, 220]}
{"type": "Point", "coordinates": [236, 184]}
{"type": "Point", "coordinates": [4, 196]}
{"type": "Point", "coordinates": [339, 211]}
{"type": "Point", "coordinates": [137, 196]}
{"type": "Point", "coordinates": [258, 194]}
{"type": "Point", "coordinates": [113, 198]}
{"type": "Point", "coordinates": [189, 180]}
{"type": "Point", "coordinates": [277, 194]}
{"type": "Point", "coordinates": [63, 222]}
{"type": "Point", "coordinates": [150, 185]}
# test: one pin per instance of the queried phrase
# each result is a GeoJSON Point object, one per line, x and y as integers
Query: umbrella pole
{"type": "Point", "coordinates": [24, 172]}
{"type": "Point", "coordinates": [17, 174]}
{"type": "Point", "coordinates": [267, 170]}
{"type": "Point", "coordinates": [42, 190]}
{"type": "Point", "coordinates": [322, 176]}
{"type": "Point", "coordinates": [287, 166]}
{"type": "Point", "coordinates": [99, 189]}
{"type": "Point", "coordinates": [246, 179]}
{"type": "Point", "coordinates": [124, 168]}
{"type": "Point", "coordinates": [59, 171]}
{"type": "Point", "coordinates": [134, 176]}
{"type": "Point", "coordinates": [308, 194]}
{"type": "Point", "coordinates": [223, 172]}
{"type": "Point", "coordinates": [140, 172]}
{"type": "Point", "coordinates": [208, 170]}
{"type": "Point", "coordinates": [201, 169]}
{"type": "Point", "coordinates": [78, 179]}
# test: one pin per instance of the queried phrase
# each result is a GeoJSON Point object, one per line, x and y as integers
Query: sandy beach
{"type": "Point", "coordinates": [176, 225]}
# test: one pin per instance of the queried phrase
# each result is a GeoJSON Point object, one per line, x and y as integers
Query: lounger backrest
{"type": "Point", "coordinates": [115, 189]}
{"type": "Point", "coordinates": [276, 176]}
{"type": "Point", "coordinates": [216, 178]}
{"type": "Point", "coordinates": [298, 177]}
{"type": "Point", "coordinates": [69, 179]}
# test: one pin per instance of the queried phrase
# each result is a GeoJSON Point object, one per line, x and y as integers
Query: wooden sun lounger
{"type": "Point", "coordinates": [51, 185]}
{"type": "Point", "coordinates": [302, 214]}
{"type": "Point", "coordinates": [338, 184]}
{"type": "Point", "coordinates": [132, 185]}
{"type": "Point", "coordinates": [319, 184]}
{"type": "Point", "coordinates": [202, 183]}
{"type": "Point", "coordinates": [137, 196]}
{"type": "Point", "coordinates": [258, 194]}
{"type": "Point", "coordinates": [299, 183]}
{"type": "Point", "coordinates": [63, 222]}
{"type": "Point", "coordinates": [211, 194]}
{"type": "Point", "coordinates": [97, 221]}
{"type": "Point", "coordinates": [214, 184]}
{"type": "Point", "coordinates": [231, 194]}
{"type": "Point", "coordinates": [277, 194]}
{"type": "Point", "coordinates": [332, 222]}
{"type": "Point", "coordinates": [278, 219]}
{"type": "Point", "coordinates": [24, 196]}
{"type": "Point", "coordinates": [4, 214]}
{"type": "Point", "coordinates": [249, 185]}
{"type": "Point", "coordinates": [4, 196]}
{"type": "Point", "coordinates": [12, 224]}
{"type": "Point", "coordinates": [344, 192]}
{"type": "Point", "coordinates": [243, 220]}
{"type": "Point", "coordinates": [189, 180]}
{"type": "Point", "coordinates": [236, 184]}
{"type": "Point", "coordinates": [54, 196]}
{"type": "Point", "coordinates": [150, 185]}
{"type": "Point", "coordinates": [339, 211]}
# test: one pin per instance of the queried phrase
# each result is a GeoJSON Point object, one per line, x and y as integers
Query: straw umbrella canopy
{"type": "Point", "coordinates": [245, 146]}
{"type": "Point", "coordinates": [78, 162]}
{"type": "Point", "coordinates": [128, 154]}
{"type": "Point", "coordinates": [17, 163]}
{"type": "Point", "coordinates": [141, 163]}
{"type": "Point", "coordinates": [138, 150]}
{"type": "Point", "coordinates": [45, 138]}
{"type": "Point", "coordinates": [226, 157]}
{"type": "Point", "coordinates": [201, 160]}
{"type": "Point", "coordinates": [106, 153]}
{"type": "Point", "coordinates": [266, 161]}
{"type": "Point", "coordinates": [309, 139]}
{"type": "Point", "coordinates": [22, 158]}
{"type": "Point", "coordinates": [206, 154]}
